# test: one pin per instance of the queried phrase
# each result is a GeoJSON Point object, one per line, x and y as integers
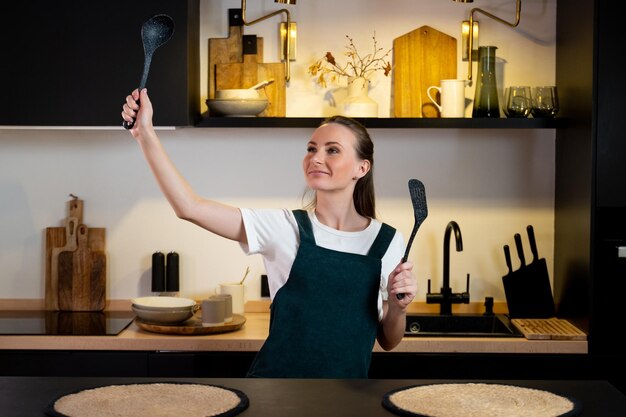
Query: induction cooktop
{"type": "Point", "coordinates": [84, 323]}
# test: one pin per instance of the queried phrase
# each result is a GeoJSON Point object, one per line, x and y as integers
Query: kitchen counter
{"type": "Point", "coordinates": [29, 396]}
{"type": "Point", "coordinates": [254, 332]}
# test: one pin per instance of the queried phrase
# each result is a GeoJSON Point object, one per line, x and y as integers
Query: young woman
{"type": "Point", "coordinates": [334, 270]}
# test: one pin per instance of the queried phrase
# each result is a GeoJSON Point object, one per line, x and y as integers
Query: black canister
{"type": "Point", "coordinates": [158, 272]}
{"type": "Point", "coordinates": [172, 279]}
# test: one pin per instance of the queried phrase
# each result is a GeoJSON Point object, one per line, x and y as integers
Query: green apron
{"type": "Point", "coordinates": [324, 320]}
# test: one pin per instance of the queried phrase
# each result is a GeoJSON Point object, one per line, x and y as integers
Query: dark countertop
{"type": "Point", "coordinates": [29, 396]}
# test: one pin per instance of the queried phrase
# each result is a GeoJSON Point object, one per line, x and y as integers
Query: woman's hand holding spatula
{"type": "Point", "coordinates": [420, 212]}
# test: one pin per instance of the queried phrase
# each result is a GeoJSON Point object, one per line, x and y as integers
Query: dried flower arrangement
{"type": "Point", "coordinates": [357, 65]}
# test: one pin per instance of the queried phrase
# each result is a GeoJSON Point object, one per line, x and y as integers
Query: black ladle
{"type": "Point", "coordinates": [154, 32]}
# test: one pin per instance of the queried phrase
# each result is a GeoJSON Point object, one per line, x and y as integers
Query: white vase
{"type": "Point", "coordinates": [358, 103]}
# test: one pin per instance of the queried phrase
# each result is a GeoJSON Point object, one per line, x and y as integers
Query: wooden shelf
{"type": "Point", "coordinates": [386, 123]}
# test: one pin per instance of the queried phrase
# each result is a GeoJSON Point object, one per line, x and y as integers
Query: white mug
{"type": "Point", "coordinates": [236, 292]}
{"type": "Point", "coordinates": [452, 93]}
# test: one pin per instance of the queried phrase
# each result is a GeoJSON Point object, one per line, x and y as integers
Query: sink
{"type": "Point", "coordinates": [460, 325]}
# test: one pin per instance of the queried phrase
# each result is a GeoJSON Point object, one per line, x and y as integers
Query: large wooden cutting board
{"type": "Point", "coordinates": [82, 276]}
{"type": "Point", "coordinates": [56, 238]}
{"type": "Point", "coordinates": [57, 241]}
{"type": "Point", "coordinates": [421, 58]}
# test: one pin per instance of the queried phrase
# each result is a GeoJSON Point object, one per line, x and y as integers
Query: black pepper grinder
{"type": "Point", "coordinates": [172, 276]}
{"type": "Point", "coordinates": [158, 272]}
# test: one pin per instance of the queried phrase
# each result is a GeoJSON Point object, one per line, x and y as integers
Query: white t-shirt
{"type": "Point", "coordinates": [274, 234]}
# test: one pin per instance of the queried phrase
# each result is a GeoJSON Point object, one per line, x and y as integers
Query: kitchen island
{"type": "Point", "coordinates": [29, 397]}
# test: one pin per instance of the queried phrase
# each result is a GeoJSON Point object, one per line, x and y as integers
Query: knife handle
{"type": "Point", "coordinates": [520, 249]}
{"type": "Point", "coordinates": [507, 256]}
{"type": "Point", "coordinates": [533, 242]}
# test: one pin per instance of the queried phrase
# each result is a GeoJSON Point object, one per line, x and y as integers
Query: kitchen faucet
{"type": "Point", "coordinates": [446, 297]}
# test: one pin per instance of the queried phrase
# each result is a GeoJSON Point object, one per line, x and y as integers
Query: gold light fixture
{"type": "Point", "coordinates": [287, 37]}
{"type": "Point", "coordinates": [291, 36]}
{"type": "Point", "coordinates": [465, 41]}
{"type": "Point", "coordinates": [468, 42]}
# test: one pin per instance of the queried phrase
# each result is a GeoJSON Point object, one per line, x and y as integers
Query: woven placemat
{"type": "Point", "coordinates": [478, 400]}
{"type": "Point", "coordinates": [151, 400]}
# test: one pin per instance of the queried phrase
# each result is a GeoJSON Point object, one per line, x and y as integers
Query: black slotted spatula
{"type": "Point", "coordinates": [420, 212]}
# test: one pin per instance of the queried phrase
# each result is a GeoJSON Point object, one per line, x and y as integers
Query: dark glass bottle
{"type": "Point", "coordinates": [486, 93]}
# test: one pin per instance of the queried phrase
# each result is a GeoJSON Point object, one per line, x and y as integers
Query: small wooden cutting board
{"type": "Point", "coordinates": [225, 50]}
{"type": "Point", "coordinates": [82, 276]}
{"type": "Point", "coordinates": [52, 296]}
{"type": "Point", "coordinates": [548, 329]}
{"type": "Point", "coordinates": [252, 71]}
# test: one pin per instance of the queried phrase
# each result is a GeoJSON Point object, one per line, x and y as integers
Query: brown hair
{"type": "Point", "coordinates": [363, 196]}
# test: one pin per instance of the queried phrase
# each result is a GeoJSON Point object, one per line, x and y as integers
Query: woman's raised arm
{"type": "Point", "coordinates": [221, 219]}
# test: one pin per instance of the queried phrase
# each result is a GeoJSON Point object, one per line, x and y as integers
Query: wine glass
{"type": "Point", "coordinates": [517, 101]}
{"type": "Point", "coordinates": [545, 102]}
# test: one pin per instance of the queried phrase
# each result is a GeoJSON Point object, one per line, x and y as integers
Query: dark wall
{"type": "Point", "coordinates": [73, 62]}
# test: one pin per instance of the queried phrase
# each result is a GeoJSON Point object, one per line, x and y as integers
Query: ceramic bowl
{"type": "Point", "coordinates": [170, 316]}
{"type": "Point", "coordinates": [237, 94]}
{"type": "Point", "coordinates": [163, 303]}
{"type": "Point", "coordinates": [236, 107]}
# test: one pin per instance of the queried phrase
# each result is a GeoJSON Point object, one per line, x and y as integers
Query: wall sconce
{"type": "Point", "coordinates": [468, 41]}
{"type": "Point", "coordinates": [293, 35]}
{"type": "Point", "coordinates": [465, 41]}
{"type": "Point", "coordinates": [287, 38]}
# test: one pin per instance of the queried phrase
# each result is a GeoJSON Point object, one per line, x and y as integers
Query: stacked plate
{"type": "Point", "coordinates": [237, 107]}
{"type": "Point", "coordinates": [237, 102]}
{"type": "Point", "coordinates": [164, 310]}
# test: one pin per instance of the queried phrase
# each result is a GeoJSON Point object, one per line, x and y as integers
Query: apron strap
{"type": "Point", "coordinates": [304, 225]}
{"type": "Point", "coordinates": [384, 238]}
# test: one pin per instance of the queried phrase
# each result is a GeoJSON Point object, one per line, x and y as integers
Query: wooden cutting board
{"type": "Point", "coordinates": [548, 329]}
{"type": "Point", "coordinates": [421, 58]}
{"type": "Point", "coordinates": [71, 225]}
{"type": "Point", "coordinates": [226, 50]}
{"type": "Point", "coordinates": [229, 50]}
{"type": "Point", "coordinates": [57, 238]}
{"type": "Point", "coordinates": [251, 71]}
{"type": "Point", "coordinates": [191, 326]}
{"type": "Point", "coordinates": [82, 276]}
